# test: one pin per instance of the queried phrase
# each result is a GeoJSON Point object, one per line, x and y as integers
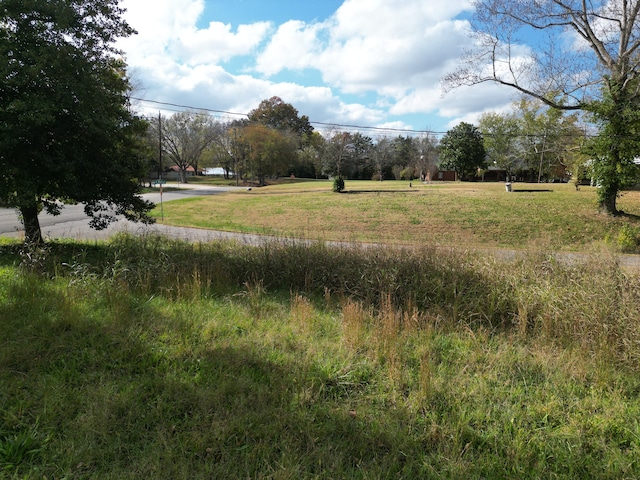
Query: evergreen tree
{"type": "Point", "coordinates": [462, 150]}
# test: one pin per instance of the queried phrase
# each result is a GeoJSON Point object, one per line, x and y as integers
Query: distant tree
{"type": "Point", "coordinates": [405, 151]}
{"type": "Point", "coordinates": [310, 155]}
{"type": "Point", "coordinates": [277, 114]}
{"type": "Point", "coordinates": [382, 155]}
{"type": "Point", "coordinates": [501, 135]}
{"type": "Point", "coordinates": [426, 162]}
{"type": "Point", "coordinates": [359, 156]}
{"type": "Point", "coordinates": [336, 153]}
{"type": "Point", "coordinates": [67, 133]}
{"type": "Point", "coordinates": [547, 134]}
{"type": "Point", "coordinates": [346, 154]}
{"type": "Point", "coordinates": [462, 150]}
{"type": "Point", "coordinates": [185, 137]}
{"type": "Point", "coordinates": [221, 152]}
{"type": "Point", "coordinates": [270, 151]}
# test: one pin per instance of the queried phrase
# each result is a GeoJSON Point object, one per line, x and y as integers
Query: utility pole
{"type": "Point", "coordinates": [235, 155]}
{"type": "Point", "coordinates": [159, 146]}
{"type": "Point", "coordinates": [160, 181]}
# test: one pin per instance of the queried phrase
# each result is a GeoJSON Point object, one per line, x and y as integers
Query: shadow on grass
{"type": "Point", "coordinates": [630, 216]}
{"type": "Point", "coordinates": [521, 190]}
{"type": "Point", "coordinates": [356, 192]}
{"type": "Point", "coordinates": [123, 389]}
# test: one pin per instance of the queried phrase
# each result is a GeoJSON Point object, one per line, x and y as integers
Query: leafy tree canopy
{"type": "Point", "coordinates": [462, 150]}
{"type": "Point", "coordinates": [275, 113]}
{"type": "Point", "coordinates": [66, 132]}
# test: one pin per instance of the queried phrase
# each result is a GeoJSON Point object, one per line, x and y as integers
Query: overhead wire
{"type": "Point", "coordinates": [176, 107]}
{"type": "Point", "coordinates": [327, 125]}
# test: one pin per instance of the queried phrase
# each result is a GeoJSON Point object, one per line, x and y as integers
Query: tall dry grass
{"type": "Point", "coordinates": [593, 304]}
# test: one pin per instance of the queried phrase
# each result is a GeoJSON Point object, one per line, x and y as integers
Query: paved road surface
{"type": "Point", "coordinates": [73, 223]}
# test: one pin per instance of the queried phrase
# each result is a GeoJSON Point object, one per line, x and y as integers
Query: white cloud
{"type": "Point", "coordinates": [218, 43]}
{"type": "Point", "coordinates": [294, 46]}
{"type": "Point", "coordinates": [169, 27]}
{"type": "Point", "coordinates": [389, 56]}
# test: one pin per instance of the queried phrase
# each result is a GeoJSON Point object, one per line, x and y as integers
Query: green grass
{"type": "Point", "coordinates": [150, 358]}
{"type": "Point", "coordinates": [534, 216]}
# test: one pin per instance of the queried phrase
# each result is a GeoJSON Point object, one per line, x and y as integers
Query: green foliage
{"type": "Point", "coordinates": [66, 131]}
{"type": "Point", "coordinates": [185, 138]}
{"type": "Point", "coordinates": [628, 238]}
{"type": "Point", "coordinates": [221, 360]}
{"type": "Point", "coordinates": [346, 154]}
{"type": "Point", "coordinates": [338, 184]}
{"type": "Point", "coordinates": [277, 114]}
{"type": "Point", "coordinates": [614, 150]}
{"type": "Point", "coordinates": [17, 449]}
{"type": "Point", "coordinates": [462, 150]}
{"type": "Point", "coordinates": [500, 136]}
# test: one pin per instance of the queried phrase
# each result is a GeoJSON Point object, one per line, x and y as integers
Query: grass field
{"type": "Point", "coordinates": [144, 357]}
{"type": "Point", "coordinates": [533, 216]}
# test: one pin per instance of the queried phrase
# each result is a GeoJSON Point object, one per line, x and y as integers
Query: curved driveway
{"type": "Point", "coordinates": [72, 223]}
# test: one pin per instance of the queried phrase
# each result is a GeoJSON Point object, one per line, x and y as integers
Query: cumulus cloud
{"type": "Point", "coordinates": [377, 59]}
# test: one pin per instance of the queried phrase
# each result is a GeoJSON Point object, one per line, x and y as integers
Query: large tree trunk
{"type": "Point", "coordinates": [32, 232]}
{"type": "Point", "coordinates": [607, 200]}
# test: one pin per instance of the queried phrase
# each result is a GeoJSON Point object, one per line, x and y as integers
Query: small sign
{"type": "Point", "coordinates": [160, 181]}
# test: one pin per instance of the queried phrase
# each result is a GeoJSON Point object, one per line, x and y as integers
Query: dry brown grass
{"type": "Point", "coordinates": [461, 214]}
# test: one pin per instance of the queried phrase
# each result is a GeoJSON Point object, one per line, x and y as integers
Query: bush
{"type": "Point", "coordinates": [628, 239]}
{"type": "Point", "coordinates": [338, 184]}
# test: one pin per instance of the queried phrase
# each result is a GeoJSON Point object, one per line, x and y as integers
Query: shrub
{"type": "Point", "coordinates": [628, 239]}
{"type": "Point", "coordinates": [338, 184]}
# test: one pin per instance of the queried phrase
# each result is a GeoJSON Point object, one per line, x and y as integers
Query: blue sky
{"type": "Point", "coordinates": [369, 63]}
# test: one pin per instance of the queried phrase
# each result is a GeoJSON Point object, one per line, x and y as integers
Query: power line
{"type": "Point", "coordinates": [182, 107]}
{"type": "Point", "coordinates": [323, 124]}
{"type": "Point", "coordinates": [365, 128]}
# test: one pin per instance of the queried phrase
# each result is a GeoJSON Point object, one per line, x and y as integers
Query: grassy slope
{"type": "Point", "coordinates": [462, 214]}
{"type": "Point", "coordinates": [157, 359]}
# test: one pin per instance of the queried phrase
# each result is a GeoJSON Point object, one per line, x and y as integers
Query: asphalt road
{"type": "Point", "coordinates": [72, 223]}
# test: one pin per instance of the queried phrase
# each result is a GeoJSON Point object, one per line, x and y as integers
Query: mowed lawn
{"type": "Point", "coordinates": [461, 214]}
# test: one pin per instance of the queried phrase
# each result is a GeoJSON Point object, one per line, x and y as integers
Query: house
{"type": "Point", "coordinates": [173, 172]}
{"type": "Point", "coordinates": [441, 176]}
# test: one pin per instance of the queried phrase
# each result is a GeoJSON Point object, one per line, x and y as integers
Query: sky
{"type": "Point", "coordinates": [360, 63]}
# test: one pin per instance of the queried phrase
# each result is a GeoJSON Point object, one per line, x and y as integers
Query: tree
{"type": "Point", "coordinates": [311, 154]}
{"type": "Point", "coordinates": [501, 134]}
{"type": "Point", "coordinates": [346, 154]}
{"type": "Point", "coordinates": [277, 114]}
{"type": "Point", "coordinates": [428, 156]}
{"type": "Point", "coordinates": [223, 151]}
{"type": "Point", "coordinates": [185, 137]}
{"type": "Point", "coordinates": [462, 150]}
{"type": "Point", "coordinates": [548, 134]}
{"type": "Point", "coordinates": [406, 152]}
{"type": "Point", "coordinates": [615, 149]}
{"type": "Point", "coordinates": [67, 133]}
{"type": "Point", "coordinates": [595, 71]}
{"type": "Point", "coordinates": [270, 151]}
{"type": "Point", "coordinates": [382, 155]}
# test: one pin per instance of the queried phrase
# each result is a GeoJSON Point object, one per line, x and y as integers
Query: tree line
{"type": "Point", "coordinates": [274, 141]}
{"type": "Point", "coordinates": [531, 142]}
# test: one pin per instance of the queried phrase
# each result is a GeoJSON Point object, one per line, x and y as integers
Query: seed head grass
{"type": "Point", "coordinates": [149, 357]}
